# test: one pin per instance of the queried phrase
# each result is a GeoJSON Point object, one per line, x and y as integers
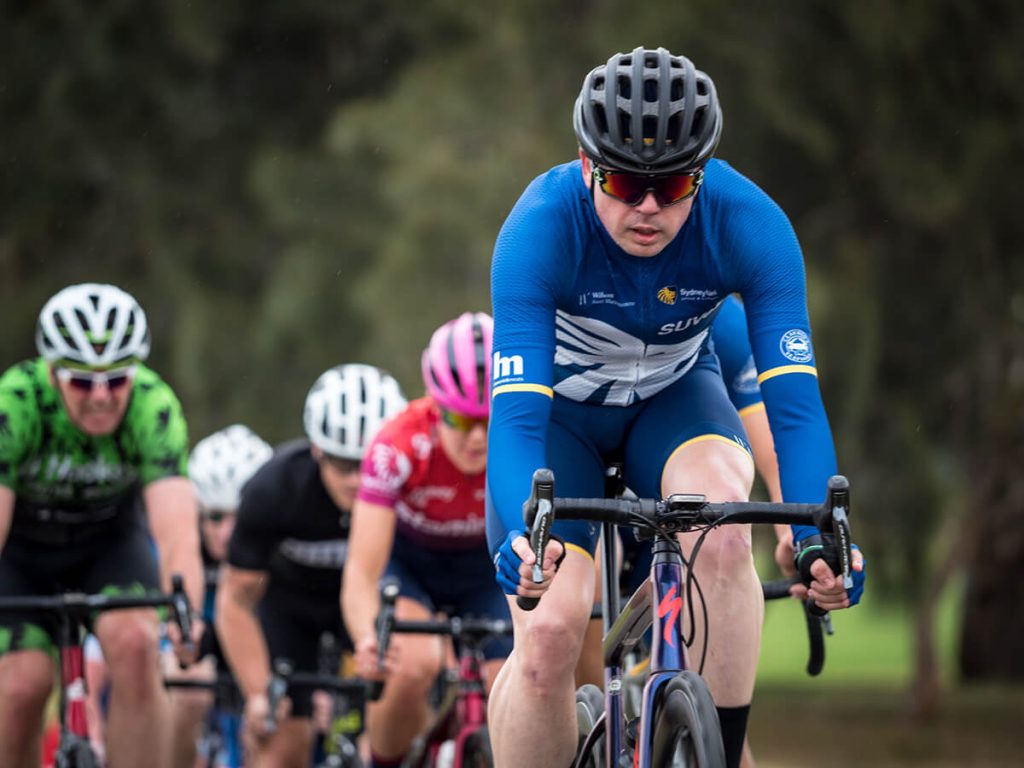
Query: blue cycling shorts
{"type": "Point", "coordinates": [583, 439]}
{"type": "Point", "coordinates": [459, 583]}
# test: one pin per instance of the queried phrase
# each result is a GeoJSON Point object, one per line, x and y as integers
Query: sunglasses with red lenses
{"type": "Point", "coordinates": [632, 188]}
{"type": "Point", "coordinates": [459, 421]}
{"type": "Point", "coordinates": [85, 381]}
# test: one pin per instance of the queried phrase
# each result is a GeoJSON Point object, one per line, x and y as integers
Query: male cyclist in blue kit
{"type": "Point", "coordinates": [607, 276]}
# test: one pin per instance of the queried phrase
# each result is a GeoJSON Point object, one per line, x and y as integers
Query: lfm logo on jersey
{"type": "Point", "coordinates": [667, 295]}
{"type": "Point", "coordinates": [503, 367]}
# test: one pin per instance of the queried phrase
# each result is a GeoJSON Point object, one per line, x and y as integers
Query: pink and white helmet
{"type": "Point", "coordinates": [457, 364]}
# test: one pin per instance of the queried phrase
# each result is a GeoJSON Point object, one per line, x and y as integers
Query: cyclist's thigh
{"type": "Point", "coordinates": [582, 439]}
{"type": "Point", "coordinates": [292, 625]}
{"type": "Point", "coordinates": [696, 407]}
{"type": "Point", "coordinates": [124, 562]}
{"type": "Point", "coordinates": [27, 569]}
{"type": "Point", "coordinates": [409, 564]}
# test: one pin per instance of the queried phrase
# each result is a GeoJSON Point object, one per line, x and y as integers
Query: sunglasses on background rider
{"type": "Point", "coordinates": [459, 421]}
{"type": "Point", "coordinates": [217, 515]}
{"type": "Point", "coordinates": [85, 381]}
{"type": "Point", "coordinates": [342, 465]}
{"type": "Point", "coordinates": [632, 188]}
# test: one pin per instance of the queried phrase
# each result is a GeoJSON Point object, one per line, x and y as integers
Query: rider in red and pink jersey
{"type": "Point", "coordinates": [419, 517]}
{"type": "Point", "coordinates": [437, 505]}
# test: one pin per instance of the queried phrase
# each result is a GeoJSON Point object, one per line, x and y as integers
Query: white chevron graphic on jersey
{"type": "Point", "coordinates": [610, 356]}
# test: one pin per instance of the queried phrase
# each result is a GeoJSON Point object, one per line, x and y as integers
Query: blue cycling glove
{"type": "Point", "coordinates": [815, 547]}
{"type": "Point", "coordinates": [506, 564]}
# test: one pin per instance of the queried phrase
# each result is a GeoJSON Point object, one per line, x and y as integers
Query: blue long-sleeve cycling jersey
{"type": "Point", "coordinates": [739, 372]}
{"type": "Point", "coordinates": [578, 317]}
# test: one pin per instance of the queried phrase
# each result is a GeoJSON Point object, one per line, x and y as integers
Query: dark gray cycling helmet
{"type": "Point", "coordinates": [648, 112]}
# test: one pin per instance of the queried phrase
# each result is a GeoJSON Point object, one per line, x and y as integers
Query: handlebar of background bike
{"type": "Point", "coordinates": [817, 625]}
{"type": "Point", "coordinates": [456, 627]}
{"type": "Point", "coordinates": [471, 628]}
{"type": "Point", "coordinates": [81, 605]}
{"type": "Point", "coordinates": [680, 512]}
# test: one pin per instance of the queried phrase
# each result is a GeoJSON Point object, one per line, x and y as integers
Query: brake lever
{"type": "Point", "coordinates": [539, 514]}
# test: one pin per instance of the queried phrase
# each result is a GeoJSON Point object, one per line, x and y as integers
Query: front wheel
{"type": "Point", "coordinates": [686, 730]}
{"type": "Point", "coordinates": [76, 754]}
{"type": "Point", "coordinates": [589, 709]}
{"type": "Point", "coordinates": [476, 750]}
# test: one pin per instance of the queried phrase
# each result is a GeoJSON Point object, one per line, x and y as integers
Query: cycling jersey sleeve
{"type": "Point", "coordinates": [525, 271]}
{"type": "Point", "coordinates": [158, 428]}
{"type": "Point", "coordinates": [729, 334]}
{"type": "Point", "coordinates": [257, 532]}
{"type": "Point", "coordinates": [19, 419]}
{"type": "Point", "coordinates": [765, 260]}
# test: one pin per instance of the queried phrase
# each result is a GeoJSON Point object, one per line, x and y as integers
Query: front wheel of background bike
{"type": "Point", "coordinates": [589, 708]}
{"type": "Point", "coordinates": [476, 750]}
{"type": "Point", "coordinates": [80, 755]}
{"type": "Point", "coordinates": [686, 729]}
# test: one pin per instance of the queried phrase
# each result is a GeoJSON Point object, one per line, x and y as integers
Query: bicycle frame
{"type": "Point", "coordinates": [663, 589]}
{"type": "Point", "coordinates": [73, 687]}
{"type": "Point", "coordinates": [464, 714]}
{"type": "Point", "coordinates": [469, 711]}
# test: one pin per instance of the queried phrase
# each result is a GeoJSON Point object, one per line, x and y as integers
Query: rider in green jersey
{"type": "Point", "coordinates": [90, 439]}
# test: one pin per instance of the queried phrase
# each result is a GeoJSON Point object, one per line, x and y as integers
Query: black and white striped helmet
{"type": "Point", "coordinates": [93, 325]}
{"type": "Point", "coordinates": [347, 405]}
{"type": "Point", "coordinates": [223, 462]}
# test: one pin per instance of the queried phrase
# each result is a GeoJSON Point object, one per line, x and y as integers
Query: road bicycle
{"type": "Point", "coordinates": [74, 612]}
{"type": "Point", "coordinates": [349, 697]}
{"type": "Point", "coordinates": [677, 724]}
{"type": "Point", "coordinates": [457, 737]}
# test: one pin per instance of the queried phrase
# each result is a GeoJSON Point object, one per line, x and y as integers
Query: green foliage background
{"type": "Point", "coordinates": [290, 185]}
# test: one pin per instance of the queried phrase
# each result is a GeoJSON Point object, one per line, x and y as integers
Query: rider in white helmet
{"type": "Point", "coordinates": [87, 431]}
{"type": "Point", "coordinates": [281, 581]}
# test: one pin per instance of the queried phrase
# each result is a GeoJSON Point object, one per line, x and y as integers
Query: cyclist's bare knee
{"type": "Point", "coordinates": [26, 679]}
{"type": "Point", "coordinates": [719, 469]}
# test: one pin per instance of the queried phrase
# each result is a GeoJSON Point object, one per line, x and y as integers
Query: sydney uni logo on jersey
{"type": "Point", "coordinates": [667, 295]}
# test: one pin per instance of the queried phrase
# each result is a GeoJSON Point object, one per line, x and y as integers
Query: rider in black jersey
{"type": "Point", "coordinates": [219, 466]}
{"type": "Point", "coordinates": [89, 436]}
{"type": "Point", "coordinates": [279, 588]}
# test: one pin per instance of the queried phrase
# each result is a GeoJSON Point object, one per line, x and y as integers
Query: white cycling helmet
{"type": "Point", "coordinates": [222, 463]}
{"type": "Point", "coordinates": [92, 325]}
{"type": "Point", "coordinates": [347, 405]}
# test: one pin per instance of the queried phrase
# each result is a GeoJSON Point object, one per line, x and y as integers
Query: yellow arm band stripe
{"type": "Point", "coordinates": [783, 370]}
{"type": "Point", "coordinates": [538, 388]}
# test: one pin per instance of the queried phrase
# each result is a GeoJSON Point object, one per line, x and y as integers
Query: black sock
{"type": "Point", "coordinates": [734, 729]}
